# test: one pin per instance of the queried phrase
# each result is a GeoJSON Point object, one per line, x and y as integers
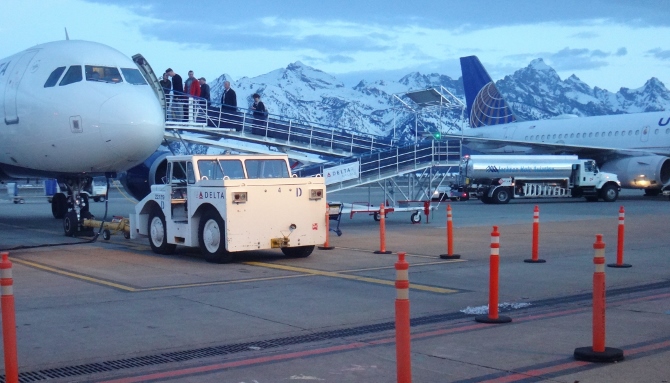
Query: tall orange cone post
{"type": "Point", "coordinates": [450, 237]}
{"type": "Point", "coordinates": [402, 324]}
{"type": "Point", "coordinates": [536, 238]}
{"type": "Point", "coordinates": [598, 352]}
{"type": "Point", "coordinates": [619, 248]}
{"type": "Point", "coordinates": [382, 231]}
{"type": "Point", "coordinates": [494, 263]}
{"type": "Point", "coordinates": [326, 245]}
{"type": "Point", "coordinates": [8, 321]}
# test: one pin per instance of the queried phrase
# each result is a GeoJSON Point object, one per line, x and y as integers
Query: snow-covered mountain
{"type": "Point", "coordinates": [301, 92]}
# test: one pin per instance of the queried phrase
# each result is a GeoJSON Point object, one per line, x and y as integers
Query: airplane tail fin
{"type": "Point", "coordinates": [486, 105]}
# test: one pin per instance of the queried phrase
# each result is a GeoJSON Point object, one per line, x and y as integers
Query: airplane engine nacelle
{"type": "Point", "coordinates": [649, 172]}
{"type": "Point", "coordinates": [138, 180]}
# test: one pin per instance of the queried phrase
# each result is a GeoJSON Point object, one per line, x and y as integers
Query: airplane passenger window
{"type": "Point", "coordinates": [590, 135]}
{"type": "Point", "coordinates": [543, 137]}
{"type": "Point", "coordinates": [609, 134]}
{"type": "Point", "coordinates": [572, 135]}
{"type": "Point", "coordinates": [72, 75]}
{"type": "Point", "coordinates": [597, 134]}
{"type": "Point", "coordinates": [603, 134]}
{"type": "Point", "coordinates": [54, 76]}
{"type": "Point", "coordinates": [560, 136]}
{"type": "Point", "coordinates": [637, 132]}
{"type": "Point", "coordinates": [103, 74]}
{"type": "Point", "coordinates": [667, 131]}
{"type": "Point", "coordinates": [133, 76]}
{"type": "Point", "coordinates": [616, 134]}
{"type": "Point", "coordinates": [577, 135]}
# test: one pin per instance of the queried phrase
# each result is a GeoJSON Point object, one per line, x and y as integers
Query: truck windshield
{"type": "Point", "coordinates": [266, 168]}
{"type": "Point", "coordinates": [217, 169]}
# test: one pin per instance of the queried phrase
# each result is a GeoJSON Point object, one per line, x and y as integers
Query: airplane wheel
{"type": "Point", "coordinates": [415, 217]}
{"type": "Point", "coordinates": [211, 235]}
{"type": "Point", "coordinates": [59, 205]}
{"type": "Point", "coordinates": [158, 233]}
{"type": "Point", "coordinates": [70, 223]}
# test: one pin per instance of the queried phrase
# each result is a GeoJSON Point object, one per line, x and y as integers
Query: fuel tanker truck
{"type": "Point", "coordinates": [499, 178]}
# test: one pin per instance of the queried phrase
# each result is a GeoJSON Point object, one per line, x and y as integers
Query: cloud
{"type": "Point", "coordinates": [621, 51]}
{"type": "Point", "coordinates": [659, 53]}
{"type": "Point", "coordinates": [586, 35]}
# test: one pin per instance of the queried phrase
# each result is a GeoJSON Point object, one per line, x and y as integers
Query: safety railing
{"type": "Point", "coordinates": [196, 114]}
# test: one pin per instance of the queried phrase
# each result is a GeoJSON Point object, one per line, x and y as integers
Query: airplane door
{"type": "Point", "coordinates": [645, 134]}
{"type": "Point", "coordinates": [150, 76]}
{"type": "Point", "coordinates": [15, 75]}
{"type": "Point", "coordinates": [509, 134]}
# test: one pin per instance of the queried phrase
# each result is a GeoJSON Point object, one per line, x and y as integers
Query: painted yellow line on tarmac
{"type": "Point", "coordinates": [392, 253]}
{"type": "Point", "coordinates": [74, 275]}
{"type": "Point", "coordinates": [392, 267]}
{"type": "Point", "coordinates": [222, 282]}
{"type": "Point", "coordinates": [350, 277]}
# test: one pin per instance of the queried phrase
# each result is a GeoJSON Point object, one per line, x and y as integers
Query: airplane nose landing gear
{"type": "Point", "coordinates": [78, 201]}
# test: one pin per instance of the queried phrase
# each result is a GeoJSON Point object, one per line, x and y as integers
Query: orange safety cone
{"type": "Point", "coordinates": [536, 238]}
{"type": "Point", "coordinates": [8, 321]}
{"type": "Point", "coordinates": [598, 352]}
{"type": "Point", "coordinates": [326, 245]}
{"type": "Point", "coordinates": [402, 321]}
{"type": "Point", "coordinates": [382, 231]}
{"type": "Point", "coordinates": [450, 237]}
{"type": "Point", "coordinates": [619, 248]}
{"type": "Point", "coordinates": [494, 263]}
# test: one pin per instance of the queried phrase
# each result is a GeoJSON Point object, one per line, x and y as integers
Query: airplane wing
{"type": "Point", "coordinates": [486, 144]}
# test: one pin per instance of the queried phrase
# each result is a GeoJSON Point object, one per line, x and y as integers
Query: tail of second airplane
{"type": "Point", "coordinates": [486, 105]}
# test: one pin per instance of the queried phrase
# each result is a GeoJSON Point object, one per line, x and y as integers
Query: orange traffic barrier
{"type": "Point", "coordinates": [535, 248]}
{"type": "Point", "coordinates": [598, 352]}
{"type": "Point", "coordinates": [402, 331]}
{"type": "Point", "coordinates": [8, 321]}
{"type": "Point", "coordinates": [382, 231]}
{"type": "Point", "coordinates": [326, 245]}
{"type": "Point", "coordinates": [450, 237]}
{"type": "Point", "coordinates": [494, 263]}
{"type": "Point", "coordinates": [619, 247]}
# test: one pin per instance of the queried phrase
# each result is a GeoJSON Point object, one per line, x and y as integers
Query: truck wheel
{"type": "Point", "coordinates": [609, 193]}
{"type": "Point", "coordinates": [591, 199]}
{"type": "Point", "coordinates": [375, 216]}
{"type": "Point", "coordinates": [59, 205]}
{"type": "Point", "coordinates": [415, 217]}
{"type": "Point", "coordinates": [70, 223]}
{"type": "Point", "coordinates": [501, 195]}
{"type": "Point", "coordinates": [158, 233]}
{"type": "Point", "coordinates": [486, 199]}
{"type": "Point", "coordinates": [211, 235]}
{"type": "Point", "coordinates": [297, 252]}
{"type": "Point", "coordinates": [106, 235]}
{"type": "Point", "coordinates": [96, 199]}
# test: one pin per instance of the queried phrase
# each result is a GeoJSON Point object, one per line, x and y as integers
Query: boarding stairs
{"type": "Point", "coordinates": [209, 123]}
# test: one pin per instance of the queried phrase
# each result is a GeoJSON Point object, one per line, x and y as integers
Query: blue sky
{"type": "Point", "coordinates": [606, 43]}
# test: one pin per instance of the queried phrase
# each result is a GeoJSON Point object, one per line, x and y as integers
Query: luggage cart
{"type": "Point", "coordinates": [335, 214]}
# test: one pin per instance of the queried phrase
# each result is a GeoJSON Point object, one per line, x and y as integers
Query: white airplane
{"type": "Point", "coordinates": [72, 110]}
{"type": "Point", "coordinates": [636, 147]}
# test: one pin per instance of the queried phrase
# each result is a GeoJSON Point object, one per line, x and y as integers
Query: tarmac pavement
{"type": "Point", "coordinates": [113, 311]}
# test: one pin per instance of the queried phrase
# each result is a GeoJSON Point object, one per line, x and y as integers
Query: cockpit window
{"type": "Point", "coordinates": [72, 75]}
{"type": "Point", "coordinates": [133, 76]}
{"type": "Point", "coordinates": [103, 74]}
{"type": "Point", "coordinates": [54, 76]}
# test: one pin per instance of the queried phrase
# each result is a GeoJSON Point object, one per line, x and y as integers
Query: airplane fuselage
{"type": "Point", "coordinates": [57, 118]}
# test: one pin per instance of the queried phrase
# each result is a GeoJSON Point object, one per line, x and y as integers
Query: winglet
{"type": "Point", "coordinates": [66, 35]}
{"type": "Point", "coordinates": [486, 105]}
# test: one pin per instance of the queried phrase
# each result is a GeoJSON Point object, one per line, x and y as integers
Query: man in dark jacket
{"type": "Point", "coordinates": [204, 89]}
{"type": "Point", "coordinates": [179, 101]}
{"type": "Point", "coordinates": [229, 98]}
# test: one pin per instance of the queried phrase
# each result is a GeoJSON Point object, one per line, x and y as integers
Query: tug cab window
{"type": "Point", "coordinates": [54, 76]}
{"type": "Point", "coordinates": [266, 168]}
{"type": "Point", "coordinates": [216, 170]}
{"type": "Point", "coordinates": [133, 76]}
{"type": "Point", "coordinates": [103, 74]}
{"type": "Point", "coordinates": [72, 75]}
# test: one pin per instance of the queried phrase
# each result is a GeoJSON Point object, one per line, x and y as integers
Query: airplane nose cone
{"type": "Point", "coordinates": [132, 125]}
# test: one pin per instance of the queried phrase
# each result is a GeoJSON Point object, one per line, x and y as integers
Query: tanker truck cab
{"type": "Point", "coordinates": [231, 203]}
{"type": "Point", "coordinates": [498, 179]}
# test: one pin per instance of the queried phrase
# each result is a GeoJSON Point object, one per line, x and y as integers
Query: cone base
{"type": "Point", "coordinates": [486, 319]}
{"type": "Point", "coordinates": [621, 266]}
{"type": "Point", "coordinates": [452, 256]}
{"type": "Point", "coordinates": [534, 260]}
{"type": "Point", "coordinates": [610, 355]}
{"type": "Point", "coordinates": [326, 247]}
{"type": "Point", "coordinates": [383, 252]}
